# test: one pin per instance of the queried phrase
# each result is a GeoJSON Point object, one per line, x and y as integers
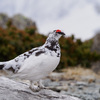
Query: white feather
{"type": "Point", "coordinates": [37, 67]}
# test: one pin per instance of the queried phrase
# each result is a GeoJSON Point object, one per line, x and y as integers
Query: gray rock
{"type": "Point", "coordinates": [96, 43]}
{"type": "Point", "coordinates": [87, 88]}
{"type": "Point", "coordinates": [22, 22]}
{"type": "Point", "coordinates": [3, 20]}
{"type": "Point", "coordinates": [19, 21]}
{"type": "Point", "coordinates": [84, 91]}
{"type": "Point", "coordinates": [96, 48]}
{"type": "Point", "coordinates": [88, 78]}
{"type": "Point", "coordinates": [56, 85]}
{"type": "Point", "coordinates": [96, 67]}
{"type": "Point", "coordinates": [11, 90]}
{"type": "Point", "coordinates": [81, 83]}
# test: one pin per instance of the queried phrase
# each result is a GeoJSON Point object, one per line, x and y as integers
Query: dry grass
{"type": "Point", "coordinates": [2, 73]}
{"type": "Point", "coordinates": [78, 72]}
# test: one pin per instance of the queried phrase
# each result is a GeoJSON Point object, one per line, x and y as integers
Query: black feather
{"type": "Point", "coordinates": [38, 53]}
{"type": "Point", "coordinates": [1, 66]}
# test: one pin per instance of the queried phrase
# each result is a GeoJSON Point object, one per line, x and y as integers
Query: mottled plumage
{"type": "Point", "coordinates": [36, 63]}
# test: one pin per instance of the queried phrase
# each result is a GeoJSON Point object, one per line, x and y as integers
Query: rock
{"type": "Point", "coordinates": [56, 85]}
{"type": "Point", "coordinates": [96, 48]}
{"type": "Point", "coordinates": [88, 78]}
{"type": "Point", "coordinates": [84, 91]}
{"type": "Point", "coordinates": [81, 84]}
{"type": "Point", "coordinates": [59, 88]}
{"type": "Point", "coordinates": [19, 21]}
{"type": "Point", "coordinates": [96, 43]}
{"type": "Point", "coordinates": [22, 22]}
{"type": "Point", "coordinates": [56, 76]}
{"type": "Point", "coordinates": [96, 67]}
{"type": "Point", "coordinates": [12, 90]}
{"type": "Point", "coordinates": [3, 20]}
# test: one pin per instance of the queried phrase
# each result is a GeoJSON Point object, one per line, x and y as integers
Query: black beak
{"type": "Point", "coordinates": [62, 33]}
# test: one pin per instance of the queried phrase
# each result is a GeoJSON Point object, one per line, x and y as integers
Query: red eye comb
{"type": "Point", "coordinates": [58, 30]}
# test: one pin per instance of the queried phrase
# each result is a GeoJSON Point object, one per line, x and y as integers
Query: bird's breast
{"type": "Point", "coordinates": [50, 63]}
{"type": "Point", "coordinates": [37, 67]}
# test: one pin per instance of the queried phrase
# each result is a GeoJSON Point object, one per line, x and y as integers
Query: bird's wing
{"type": "Point", "coordinates": [31, 66]}
{"type": "Point", "coordinates": [36, 67]}
{"type": "Point", "coordinates": [38, 58]}
{"type": "Point", "coordinates": [15, 64]}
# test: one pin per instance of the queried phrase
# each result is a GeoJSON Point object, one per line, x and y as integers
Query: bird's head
{"type": "Point", "coordinates": [56, 34]}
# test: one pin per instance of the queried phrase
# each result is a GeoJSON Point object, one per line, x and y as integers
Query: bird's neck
{"type": "Point", "coordinates": [52, 44]}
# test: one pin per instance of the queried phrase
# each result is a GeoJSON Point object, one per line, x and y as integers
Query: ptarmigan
{"type": "Point", "coordinates": [37, 63]}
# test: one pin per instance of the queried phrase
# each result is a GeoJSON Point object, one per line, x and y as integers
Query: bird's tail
{"type": "Point", "coordinates": [2, 65]}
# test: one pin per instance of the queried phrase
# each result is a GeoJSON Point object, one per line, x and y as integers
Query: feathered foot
{"type": "Point", "coordinates": [34, 86]}
{"type": "Point", "coordinates": [41, 86]}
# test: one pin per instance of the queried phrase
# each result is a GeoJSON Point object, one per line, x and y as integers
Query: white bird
{"type": "Point", "coordinates": [36, 63]}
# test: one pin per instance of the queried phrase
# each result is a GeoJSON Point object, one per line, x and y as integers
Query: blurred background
{"type": "Point", "coordinates": [80, 17]}
{"type": "Point", "coordinates": [25, 24]}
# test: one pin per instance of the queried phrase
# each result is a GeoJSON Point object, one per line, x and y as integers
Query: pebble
{"type": "Point", "coordinates": [83, 89]}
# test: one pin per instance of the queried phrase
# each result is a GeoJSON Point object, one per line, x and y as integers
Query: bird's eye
{"type": "Point", "coordinates": [54, 31]}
